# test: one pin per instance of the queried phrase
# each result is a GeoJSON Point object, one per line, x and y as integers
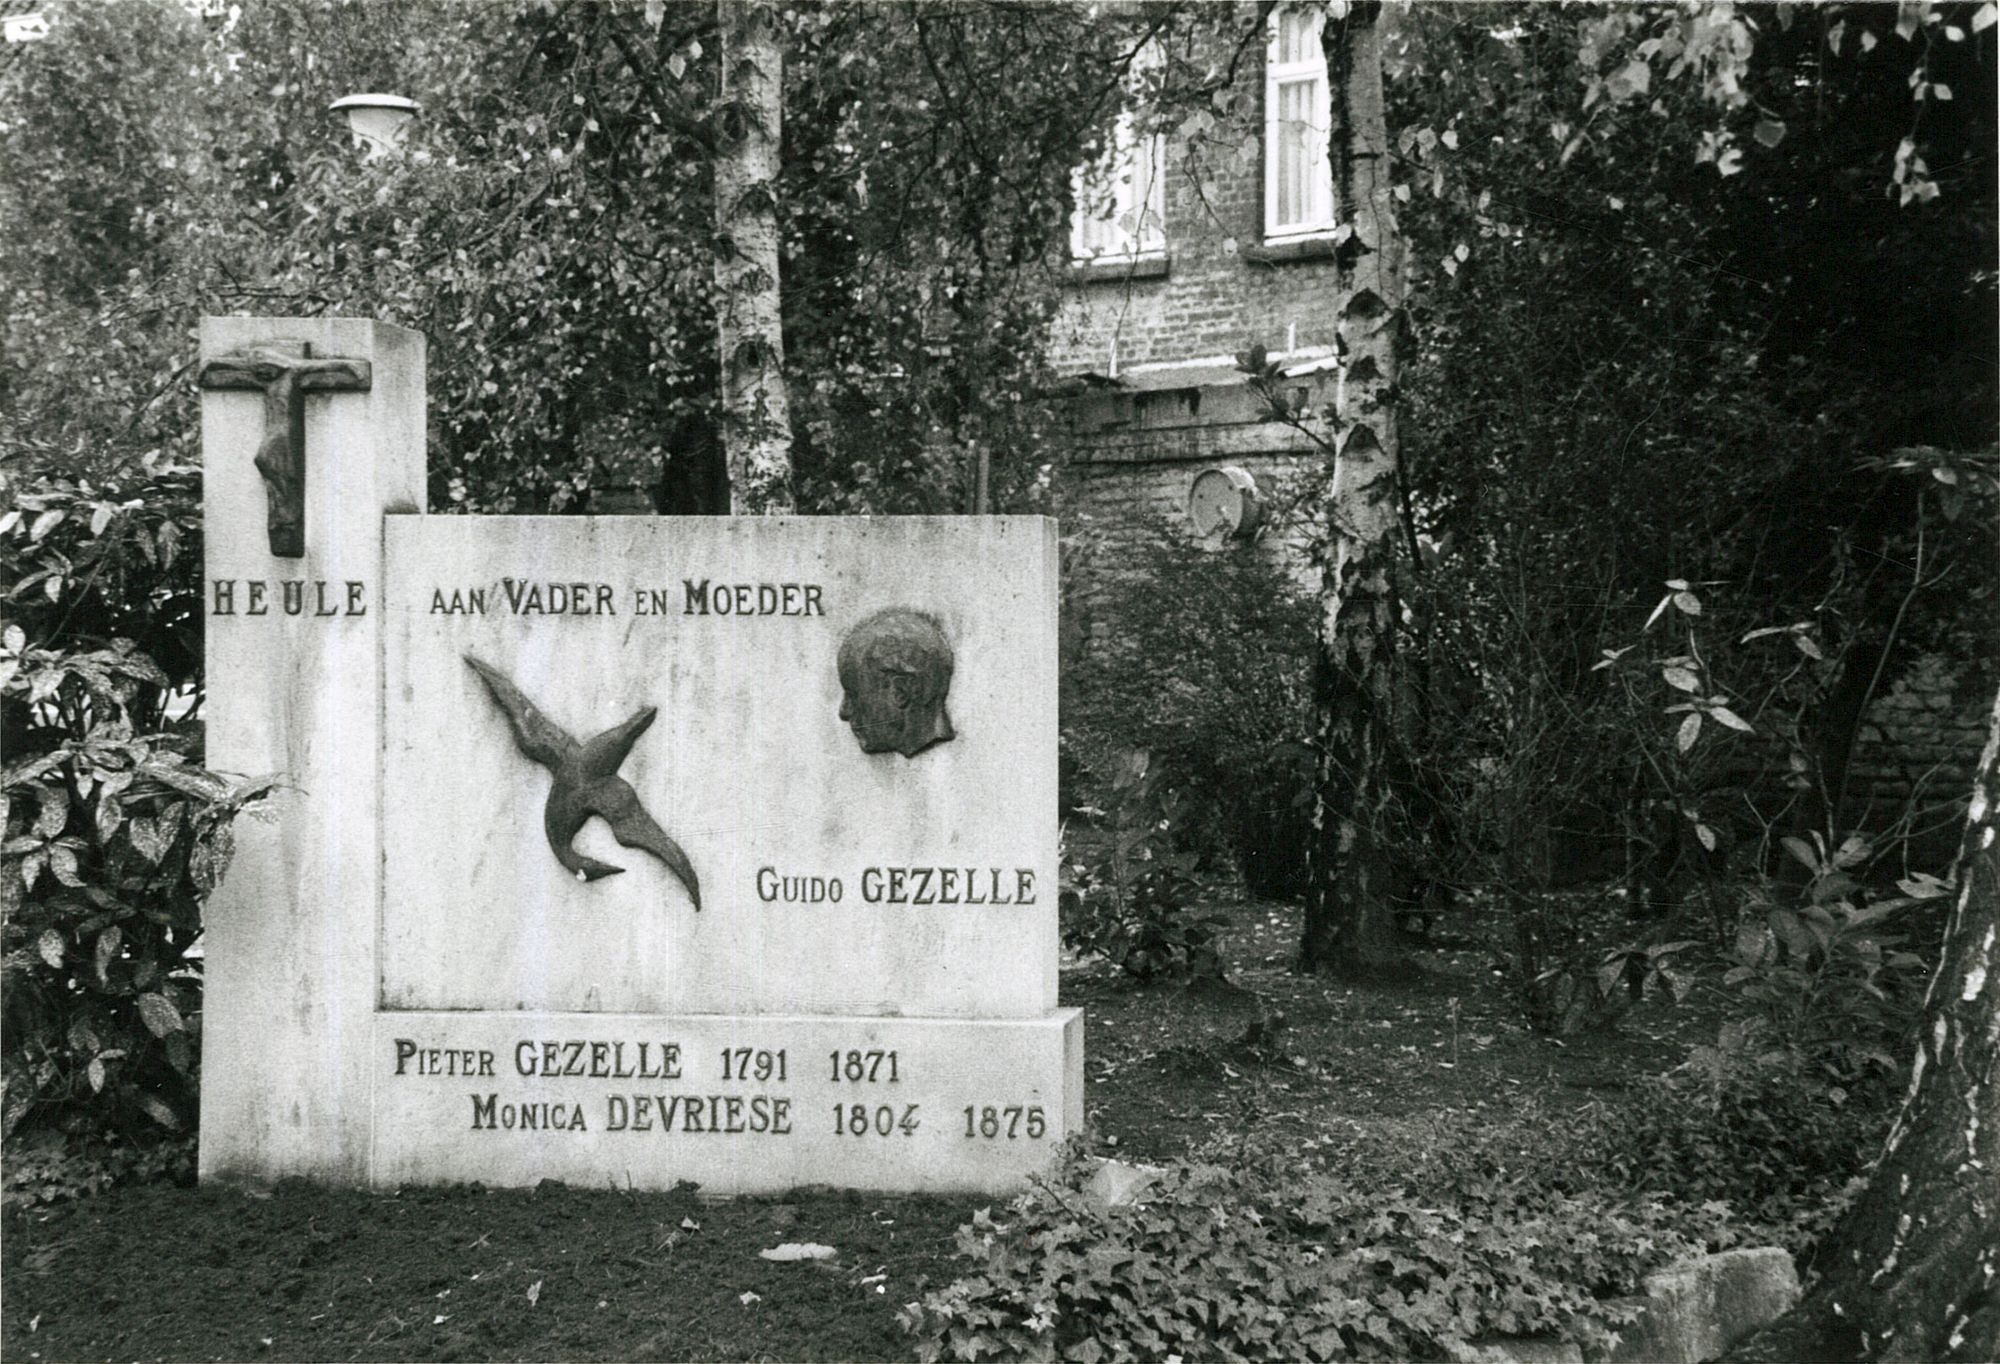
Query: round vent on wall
{"type": "Point", "coordinates": [1223, 503]}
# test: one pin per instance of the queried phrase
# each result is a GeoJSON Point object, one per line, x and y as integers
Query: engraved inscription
{"type": "Point", "coordinates": [287, 597]}
{"type": "Point", "coordinates": [683, 1097]}
{"type": "Point", "coordinates": [751, 599]}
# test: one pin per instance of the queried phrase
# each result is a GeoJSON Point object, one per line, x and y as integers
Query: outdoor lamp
{"type": "Point", "coordinates": [376, 120]}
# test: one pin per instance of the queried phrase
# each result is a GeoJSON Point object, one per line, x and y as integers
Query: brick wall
{"type": "Point", "coordinates": [1135, 454]}
{"type": "Point", "coordinates": [1222, 289]}
{"type": "Point", "coordinates": [1917, 750]}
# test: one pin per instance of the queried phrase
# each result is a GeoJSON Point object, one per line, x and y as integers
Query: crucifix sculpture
{"type": "Point", "coordinates": [285, 371]}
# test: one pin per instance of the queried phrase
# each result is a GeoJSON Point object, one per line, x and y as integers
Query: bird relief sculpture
{"type": "Point", "coordinates": [587, 783]}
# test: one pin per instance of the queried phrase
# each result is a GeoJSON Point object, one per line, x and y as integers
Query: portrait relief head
{"type": "Point", "coordinates": [895, 668]}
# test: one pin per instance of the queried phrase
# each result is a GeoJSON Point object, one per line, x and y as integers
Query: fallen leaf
{"type": "Point", "coordinates": [689, 1224]}
{"type": "Point", "coordinates": [534, 1292]}
{"type": "Point", "coordinates": [797, 1250]}
{"type": "Point", "coordinates": [747, 1298]}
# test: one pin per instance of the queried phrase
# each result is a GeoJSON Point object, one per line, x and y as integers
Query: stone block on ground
{"type": "Point", "coordinates": [1114, 1183]}
{"type": "Point", "coordinates": [1694, 1311]}
{"type": "Point", "coordinates": [1518, 1350]}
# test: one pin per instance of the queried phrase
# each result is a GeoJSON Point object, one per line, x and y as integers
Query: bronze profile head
{"type": "Point", "coordinates": [895, 668]}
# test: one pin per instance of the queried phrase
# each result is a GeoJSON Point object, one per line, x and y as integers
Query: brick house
{"type": "Point", "coordinates": [1178, 262]}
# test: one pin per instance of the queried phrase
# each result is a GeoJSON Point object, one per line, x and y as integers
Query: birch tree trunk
{"type": "Point", "coordinates": [1349, 921]}
{"type": "Point", "coordinates": [756, 417]}
{"type": "Point", "coordinates": [1912, 1272]}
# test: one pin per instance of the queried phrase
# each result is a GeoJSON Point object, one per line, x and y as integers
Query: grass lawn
{"type": "Point", "coordinates": [1381, 1080]}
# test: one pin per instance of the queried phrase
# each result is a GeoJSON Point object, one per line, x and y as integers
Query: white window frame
{"type": "Point", "coordinates": [1318, 219]}
{"type": "Point", "coordinates": [1131, 223]}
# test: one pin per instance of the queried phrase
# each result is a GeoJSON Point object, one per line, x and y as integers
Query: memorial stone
{"type": "Point", "coordinates": [615, 849]}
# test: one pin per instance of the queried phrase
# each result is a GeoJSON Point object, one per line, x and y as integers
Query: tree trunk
{"type": "Point", "coordinates": [756, 417]}
{"type": "Point", "coordinates": [1349, 921]}
{"type": "Point", "coordinates": [1912, 1272]}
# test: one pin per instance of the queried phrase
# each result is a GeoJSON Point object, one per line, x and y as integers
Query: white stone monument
{"type": "Point", "coordinates": [622, 850]}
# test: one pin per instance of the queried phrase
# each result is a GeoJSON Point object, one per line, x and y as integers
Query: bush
{"type": "Point", "coordinates": [1208, 671]}
{"type": "Point", "coordinates": [1271, 1260]}
{"type": "Point", "coordinates": [1790, 1103]}
{"type": "Point", "coordinates": [1758, 1130]}
{"type": "Point", "coordinates": [1833, 982]}
{"type": "Point", "coordinates": [1130, 895]}
{"type": "Point", "coordinates": [53, 1171]}
{"type": "Point", "coordinates": [113, 832]}
{"type": "Point", "coordinates": [112, 839]}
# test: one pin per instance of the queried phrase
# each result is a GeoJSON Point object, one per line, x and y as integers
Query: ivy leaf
{"type": "Point", "coordinates": [1633, 78]}
{"type": "Point", "coordinates": [50, 946]}
{"type": "Point", "coordinates": [159, 1015]}
{"type": "Point", "coordinates": [95, 1072]}
{"type": "Point", "coordinates": [1769, 132]}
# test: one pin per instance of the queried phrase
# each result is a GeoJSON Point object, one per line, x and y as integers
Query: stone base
{"type": "Point", "coordinates": [736, 1104]}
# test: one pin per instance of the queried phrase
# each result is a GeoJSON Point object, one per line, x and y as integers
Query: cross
{"type": "Point", "coordinates": [285, 371]}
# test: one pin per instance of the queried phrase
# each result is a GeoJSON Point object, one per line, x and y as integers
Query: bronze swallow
{"type": "Point", "coordinates": [587, 783]}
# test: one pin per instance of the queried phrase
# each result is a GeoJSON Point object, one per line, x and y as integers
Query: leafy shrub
{"type": "Point", "coordinates": [1565, 986]}
{"type": "Point", "coordinates": [1207, 670]}
{"type": "Point", "coordinates": [1270, 1260]}
{"type": "Point", "coordinates": [1833, 980]}
{"type": "Point", "coordinates": [1130, 896]}
{"type": "Point", "coordinates": [112, 555]}
{"type": "Point", "coordinates": [1750, 1126]}
{"type": "Point", "coordinates": [1789, 1104]}
{"type": "Point", "coordinates": [112, 839]}
{"type": "Point", "coordinates": [55, 1171]}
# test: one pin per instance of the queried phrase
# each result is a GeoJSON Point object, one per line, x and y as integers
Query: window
{"type": "Point", "coordinates": [1298, 181]}
{"type": "Point", "coordinates": [1121, 199]}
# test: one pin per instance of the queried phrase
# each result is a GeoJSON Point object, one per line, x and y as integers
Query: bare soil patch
{"type": "Point", "coordinates": [1383, 1080]}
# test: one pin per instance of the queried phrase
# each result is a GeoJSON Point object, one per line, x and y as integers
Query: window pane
{"type": "Point", "coordinates": [1148, 197]}
{"type": "Point", "coordinates": [1295, 134]}
{"type": "Point", "coordinates": [1298, 36]}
